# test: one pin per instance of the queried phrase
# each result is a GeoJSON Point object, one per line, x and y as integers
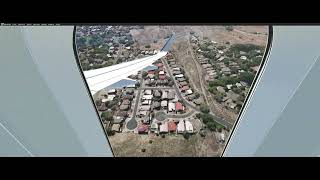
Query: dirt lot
{"type": "Point", "coordinates": [130, 144]}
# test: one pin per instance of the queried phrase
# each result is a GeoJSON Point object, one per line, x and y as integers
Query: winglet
{"type": "Point", "coordinates": [168, 44]}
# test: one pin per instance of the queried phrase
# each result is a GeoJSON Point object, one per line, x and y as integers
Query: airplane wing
{"type": "Point", "coordinates": [98, 79]}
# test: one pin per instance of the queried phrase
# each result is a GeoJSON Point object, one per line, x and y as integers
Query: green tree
{"type": "Point", "coordinates": [107, 116]}
{"type": "Point", "coordinates": [246, 77]}
{"type": "Point", "coordinates": [211, 126]}
{"type": "Point", "coordinates": [204, 108]}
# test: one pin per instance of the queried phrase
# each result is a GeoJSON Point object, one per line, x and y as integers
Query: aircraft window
{"type": "Point", "coordinates": [170, 90]}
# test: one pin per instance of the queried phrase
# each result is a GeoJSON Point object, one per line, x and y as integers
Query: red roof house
{"type": "Point", "coordinates": [143, 128]}
{"type": "Point", "coordinates": [184, 88]}
{"type": "Point", "coordinates": [172, 126]}
{"type": "Point", "coordinates": [151, 72]}
{"type": "Point", "coordinates": [179, 106]}
{"type": "Point", "coordinates": [162, 77]}
{"type": "Point", "coordinates": [159, 65]}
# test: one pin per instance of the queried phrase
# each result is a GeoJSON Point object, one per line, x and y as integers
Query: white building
{"type": "Point", "coordinates": [181, 127]}
{"type": "Point", "coordinates": [171, 107]}
{"type": "Point", "coordinates": [189, 127]}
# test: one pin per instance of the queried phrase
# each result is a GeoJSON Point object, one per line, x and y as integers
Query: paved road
{"type": "Point", "coordinates": [131, 122]}
{"type": "Point", "coordinates": [155, 88]}
{"type": "Point", "coordinates": [187, 103]}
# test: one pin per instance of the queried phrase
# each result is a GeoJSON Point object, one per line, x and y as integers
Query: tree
{"type": "Point", "coordinates": [218, 97]}
{"type": "Point", "coordinates": [107, 116]}
{"type": "Point", "coordinates": [198, 115]}
{"type": "Point", "coordinates": [147, 46]}
{"type": "Point", "coordinates": [204, 108]}
{"type": "Point", "coordinates": [211, 126]}
{"type": "Point", "coordinates": [246, 77]}
{"type": "Point", "coordinates": [186, 135]}
{"type": "Point", "coordinates": [144, 74]}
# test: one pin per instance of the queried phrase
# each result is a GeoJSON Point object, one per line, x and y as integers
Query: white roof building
{"type": "Point", "coordinates": [181, 127]}
{"type": "Point", "coordinates": [110, 97]}
{"type": "Point", "coordinates": [111, 91]}
{"type": "Point", "coordinates": [164, 127]}
{"type": "Point", "coordinates": [189, 127]}
{"type": "Point", "coordinates": [145, 107]}
{"type": "Point", "coordinates": [147, 97]}
{"type": "Point", "coordinates": [148, 92]}
{"type": "Point", "coordinates": [189, 91]}
{"type": "Point", "coordinates": [161, 73]}
{"type": "Point", "coordinates": [179, 76]}
{"type": "Point", "coordinates": [164, 103]}
{"type": "Point", "coordinates": [243, 57]}
{"type": "Point", "coordinates": [229, 86]}
{"type": "Point", "coordinates": [171, 107]}
{"type": "Point", "coordinates": [238, 85]}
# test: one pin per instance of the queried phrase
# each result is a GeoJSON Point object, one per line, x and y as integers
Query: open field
{"type": "Point", "coordinates": [130, 144]}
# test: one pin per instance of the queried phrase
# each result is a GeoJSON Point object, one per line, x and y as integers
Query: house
{"type": "Point", "coordinates": [176, 72]}
{"type": "Point", "coordinates": [189, 126]}
{"type": "Point", "coordinates": [118, 119]}
{"type": "Point", "coordinates": [146, 102]}
{"type": "Point", "coordinates": [162, 77]}
{"type": "Point", "coordinates": [164, 104]}
{"type": "Point", "coordinates": [147, 97]}
{"type": "Point", "coordinates": [181, 79]}
{"type": "Point", "coordinates": [243, 58]}
{"type": "Point", "coordinates": [243, 83]}
{"type": "Point", "coordinates": [229, 86]}
{"type": "Point", "coordinates": [122, 114]}
{"type": "Point", "coordinates": [181, 127]}
{"type": "Point", "coordinates": [116, 127]}
{"type": "Point", "coordinates": [176, 69]}
{"type": "Point", "coordinates": [148, 92]}
{"type": "Point", "coordinates": [112, 91]}
{"type": "Point", "coordinates": [164, 127]}
{"type": "Point", "coordinates": [124, 107]}
{"type": "Point", "coordinates": [159, 65]}
{"type": "Point", "coordinates": [150, 76]}
{"type": "Point", "coordinates": [255, 68]}
{"type": "Point", "coordinates": [171, 107]}
{"type": "Point", "coordinates": [143, 129]}
{"type": "Point", "coordinates": [146, 119]}
{"type": "Point", "coordinates": [171, 95]}
{"type": "Point", "coordinates": [226, 70]}
{"type": "Point", "coordinates": [179, 106]}
{"type": "Point", "coordinates": [111, 97]}
{"type": "Point", "coordinates": [164, 95]}
{"type": "Point", "coordinates": [143, 113]}
{"type": "Point", "coordinates": [191, 97]}
{"type": "Point", "coordinates": [156, 105]}
{"type": "Point", "coordinates": [154, 127]}
{"type": "Point", "coordinates": [172, 126]}
{"type": "Point", "coordinates": [102, 107]}
{"type": "Point", "coordinates": [151, 71]}
{"type": "Point", "coordinates": [198, 101]}
{"type": "Point", "coordinates": [220, 89]}
{"type": "Point", "coordinates": [127, 96]}
{"type": "Point", "coordinates": [232, 95]}
{"type": "Point", "coordinates": [189, 91]}
{"type": "Point", "coordinates": [238, 85]}
{"type": "Point", "coordinates": [184, 88]}
{"type": "Point", "coordinates": [179, 76]}
{"type": "Point", "coordinates": [183, 83]}
{"type": "Point", "coordinates": [126, 102]}
{"type": "Point", "coordinates": [221, 58]}
{"type": "Point", "coordinates": [157, 94]}
{"type": "Point", "coordinates": [161, 72]}
{"type": "Point", "coordinates": [145, 107]}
